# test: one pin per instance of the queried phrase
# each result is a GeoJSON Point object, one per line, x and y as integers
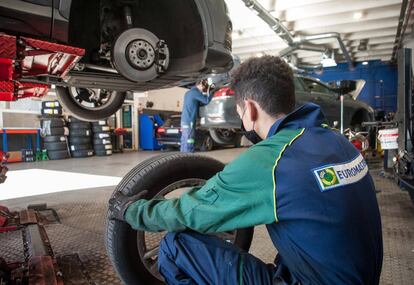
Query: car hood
{"type": "Point", "coordinates": [360, 84]}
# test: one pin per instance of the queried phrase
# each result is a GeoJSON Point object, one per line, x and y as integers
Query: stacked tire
{"type": "Point", "coordinates": [80, 138]}
{"type": "Point", "coordinates": [54, 130]}
{"type": "Point", "coordinates": [102, 142]}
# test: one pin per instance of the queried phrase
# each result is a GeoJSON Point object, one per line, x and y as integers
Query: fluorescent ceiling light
{"type": "Point", "coordinates": [358, 15]}
{"type": "Point", "coordinates": [328, 62]}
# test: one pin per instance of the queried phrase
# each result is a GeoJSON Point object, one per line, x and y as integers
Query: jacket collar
{"type": "Point", "coordinates": [308, 115]}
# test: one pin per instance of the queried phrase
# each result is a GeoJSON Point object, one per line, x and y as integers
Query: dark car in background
{"type": "Point", "coordinates": [133, 45]}
{"type": "Point", "coordinates": [169, 135]}
{"type": "Point", "coordinates": [221, 119]}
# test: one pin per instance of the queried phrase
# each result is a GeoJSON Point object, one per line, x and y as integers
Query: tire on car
{"type": "Point", "coordinates": [124, 245]}
{"type": "Point", "coordinates": [225, 137]}
{"type": "Point", "coordinates": [89, 113]}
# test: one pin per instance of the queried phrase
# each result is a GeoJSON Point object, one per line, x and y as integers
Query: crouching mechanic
{"type": "Point", "coordinates": [304, 181]}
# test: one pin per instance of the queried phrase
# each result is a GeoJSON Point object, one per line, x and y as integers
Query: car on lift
{"type": "Point", "coordinates": [129, 45]}
{"type": "Point", "coordinates": [221, 119]}
{"type": "Point", "coordinates": [169, 135]}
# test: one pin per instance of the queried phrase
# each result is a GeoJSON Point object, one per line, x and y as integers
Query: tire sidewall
{"type": "Point", "coordinates": [152, 175]}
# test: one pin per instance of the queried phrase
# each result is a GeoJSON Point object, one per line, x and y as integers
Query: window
{"type": "Point", "coordinates": [298, 84]}
{"type": "Point", "coordinates": [315, 86]}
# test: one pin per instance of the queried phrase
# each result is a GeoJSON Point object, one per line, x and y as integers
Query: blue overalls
{"type": "Point", "coordinates": [306, 183]}
{"type": "Point", "coordinates": [192, 100]}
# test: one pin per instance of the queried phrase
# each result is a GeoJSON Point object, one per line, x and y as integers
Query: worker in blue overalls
{"type": "Point", "coordinates": [192, 101]}
{"type": "Point", "coordinates": [304, 181]}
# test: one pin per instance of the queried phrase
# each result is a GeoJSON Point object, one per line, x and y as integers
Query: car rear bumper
{"type": "Point", "coordinates": [221, 113]}
{"type": "Point", "coordinates": [169, 143]}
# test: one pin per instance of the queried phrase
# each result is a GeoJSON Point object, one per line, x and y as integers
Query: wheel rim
{"type": "Point", "coordinates": [148, 243]}
{"type": "Point", "coordinates": [208, 143]}
{"type": "Point", "coordinates": [92, 99]}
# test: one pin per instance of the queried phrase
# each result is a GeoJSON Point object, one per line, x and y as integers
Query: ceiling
{"type": "Point", "coordinates": [374, 22]}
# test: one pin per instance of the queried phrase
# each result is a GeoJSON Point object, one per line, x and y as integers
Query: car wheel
{"type": "Point", "coordinates": [90, 104]}
{"type": "Point", "coordinates": [134, 254]}
{"type": "Point", "coordinates": [224, 136]}
{"type": "Point", "coordinates": [208, 143]}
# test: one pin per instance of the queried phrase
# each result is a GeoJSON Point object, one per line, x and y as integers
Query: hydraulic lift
{"type": "Point", "coordinates": [21, 59]}
{"type": "Point", "coordinates": [39, 266]}
{"type": "Point", "coordinates": [404, 159]}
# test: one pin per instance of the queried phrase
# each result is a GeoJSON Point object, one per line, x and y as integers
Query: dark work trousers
{"type": "Point", "coordinates": [187, 138]}
{"type": "Point", "coordinates": [191, 258]}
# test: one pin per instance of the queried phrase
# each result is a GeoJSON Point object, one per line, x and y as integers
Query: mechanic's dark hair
{"type": "Point", "coordinates": [203, 82]}
{"type": "Point", "coordinates": [268, 80]}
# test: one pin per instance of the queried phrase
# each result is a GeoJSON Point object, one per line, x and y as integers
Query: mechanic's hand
{"type": "Point", "coordinates": [119, 204]}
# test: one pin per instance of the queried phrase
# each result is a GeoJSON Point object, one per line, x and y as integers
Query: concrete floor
{"type": "Point", "coordinates": [82, 214]}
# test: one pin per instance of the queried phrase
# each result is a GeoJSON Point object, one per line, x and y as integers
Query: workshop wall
{"type": "Point", "coordinates": [381, 78]}
{"type": "Point", "coordinates": [170, 99]}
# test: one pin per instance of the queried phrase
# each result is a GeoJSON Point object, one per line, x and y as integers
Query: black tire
{"type": "Point", "coordinates": [52, 122]}
{"type": "Point", "coordinates": [79, 140]}
{"type": "Point", "coordinates": [56, 146]}
{"type": "Point", "coordinates": [101, 129]}
{"type": "Point", "coordinates": [72, 119]}
{"type": "Point", "coordinates": [82, 153]}
{"type": "Point", "coordinates": [56, 131]}
{"type": "Point", "coordinates": [122, 242]}
{"type": "Point", "coordinates": [51, 104]}
{"type": "Point", "coordinates": [102, 147]}
{"type": "Point", "coordinates": [102, 141]}
{"type": "Point", "coordinates": [52, 112]}
{"type": "Point", "coordinates": [105, 135]}
{"type": "Point", "coordinates": [103, 153]}
{"type": "Point", "coordinates": [207, 144]}
{"type": "Point", "coordinates": [223, 136]}
{"type": "Point", "coordinates": [76, 147]}
{"type": "Point", "coordinates": [53, 139]}
{"type": "Point", "coordinates": [80, 132]}
{"type": "Point", "coordinates": [70, 104]}
{"type": "Point", "coordinates": [79, 125]}
{"type": "Point", "coordinates": [59, 154]}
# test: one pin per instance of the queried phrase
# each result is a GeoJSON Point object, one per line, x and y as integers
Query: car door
{"type": "Point", "coordinates": [326, 98]}
{"type": "Point", "coordinates": [27, 17]}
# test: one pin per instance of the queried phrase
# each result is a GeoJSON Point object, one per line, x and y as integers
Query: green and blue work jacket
{"type": "Point", "coordinates": [307, 184]}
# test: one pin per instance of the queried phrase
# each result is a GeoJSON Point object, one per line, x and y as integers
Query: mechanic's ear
{"type": "Point", "coordinates": [252, 110]}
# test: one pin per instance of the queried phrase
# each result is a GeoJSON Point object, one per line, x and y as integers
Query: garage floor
{"type": "Point", "coordinates": [82, 215]}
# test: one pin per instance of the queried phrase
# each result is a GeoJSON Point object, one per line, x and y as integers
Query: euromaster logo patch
{"type": "Point", "coordinates": [332, 176]}
{"type": "Point", "coordinates": [328, 177]}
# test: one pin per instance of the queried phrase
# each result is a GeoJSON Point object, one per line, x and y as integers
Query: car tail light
{"type": "Point", "coordinates": [160, 131]}
{"type": "Point", "coordinates": [357, 144]}
{"type": "Point", "coordinates": [360, 142]}
{"type": "Point", "coordinates": [224, 92]}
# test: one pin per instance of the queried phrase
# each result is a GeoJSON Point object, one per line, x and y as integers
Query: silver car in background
{"type": "Point", "coordinates": [224, 124]}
